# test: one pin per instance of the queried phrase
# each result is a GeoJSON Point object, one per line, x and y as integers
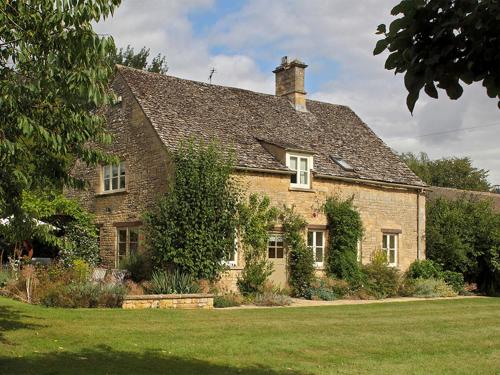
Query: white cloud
{"type": "Point", "coordinates": [319, 31]}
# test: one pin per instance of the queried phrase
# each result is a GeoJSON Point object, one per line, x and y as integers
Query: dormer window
{"type": "Point", "coordinates": [301, 166]}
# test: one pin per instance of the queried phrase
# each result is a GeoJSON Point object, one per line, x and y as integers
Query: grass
{"type": "Point", "coordinates": [428, 337]}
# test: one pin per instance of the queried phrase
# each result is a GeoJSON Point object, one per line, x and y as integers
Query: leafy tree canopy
{"type": "Point", "coordinates": [54, 71]}
{"type": "Point", "coordinates": [139, 60]}
{"type": "Point", "coordinates": [455, 173]}
{"type": "Point", "coordinates": [443, 42]}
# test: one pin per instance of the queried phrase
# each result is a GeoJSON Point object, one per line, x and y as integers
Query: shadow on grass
{"type": "Point", "coordinates": [12, 320]}
{"type": "Point", "coordinates": [104, 360]}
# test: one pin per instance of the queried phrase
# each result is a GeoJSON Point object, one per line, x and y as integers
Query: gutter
{"type": "Point", "coordinates": [419, 226]}
{"type": "Point", "coordinates": [264, 170]}
{"type": "Point", "coordinates": [372, 182]}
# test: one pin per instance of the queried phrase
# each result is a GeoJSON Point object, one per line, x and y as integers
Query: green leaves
{"type": "Point", "coordinates": [449, 41]}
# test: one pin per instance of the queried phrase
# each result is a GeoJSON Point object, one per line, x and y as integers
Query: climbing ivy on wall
{"type": "Point", "coordinates": [345, 229]}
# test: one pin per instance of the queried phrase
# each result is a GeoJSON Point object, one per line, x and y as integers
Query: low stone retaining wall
{"type": "Point", "coordinates": [169, 301]}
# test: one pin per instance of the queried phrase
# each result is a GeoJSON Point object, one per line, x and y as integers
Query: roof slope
{"type": "Point", "coordinates": [179, 109]}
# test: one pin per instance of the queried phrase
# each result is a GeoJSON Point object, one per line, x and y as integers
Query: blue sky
{"type": "Point", "coordinates": [245, 40]}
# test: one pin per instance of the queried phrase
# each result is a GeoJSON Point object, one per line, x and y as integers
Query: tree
{"type": "Point", "coordinates": [54, 71]}
{"type": "Point", "coordinates": [193, 226]}
{"type": "Point", "coordinates": [443, 41]}
{"type": "Point", "coordinates": [463, 235]}
{"type": "Point", "coordinates": [139, 60]}
{"type": "Point", "coordinates": [454, 172]}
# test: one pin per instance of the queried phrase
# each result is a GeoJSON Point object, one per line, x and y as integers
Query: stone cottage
{"type": "Point", "coordinates": [295, 150]}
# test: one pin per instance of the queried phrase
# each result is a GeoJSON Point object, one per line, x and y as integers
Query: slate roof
{"type": "Point", "coordinates": [180, 109]}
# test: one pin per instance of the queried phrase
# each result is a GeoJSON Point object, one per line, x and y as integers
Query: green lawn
{"type": "Point", "coordinates": [428, 337]}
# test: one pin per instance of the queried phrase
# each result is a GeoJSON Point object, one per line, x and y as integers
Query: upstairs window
{"type": "Point", "coordinates": [114, 177]}
{"type": "Point", "coordinates": [316, 243]}
{"type": "Point", "coordinates": [301, 166]}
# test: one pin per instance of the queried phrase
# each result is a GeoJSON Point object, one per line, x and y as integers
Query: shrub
{"type": "Point", "coordinates": [85, 295]}
{"type": "Point", "coordinates": [112, 295]}
{"type": "Point", "coordinates": [227, 300]}
{"type": "Point", "coordinates": [328, 289]}
{"type": "Point", "coordinates": [454, 279]}
{"type": "Point", "coordinates": [300, 257]}
{"type": "Point", "coordinates": [81, 270]}
{"type": "Point", "coordinates": [272, 299]}
{"type": "Point", "coordinates": [381, 280]}
{"type": "Point", "coordinates": [172, 283]}
{"type": "Point", "coordinates": [255, 218]}
{"type": "Point", "coordinates": [423, 269]}
{"type": "Point", "coordinates": [345, 229]}
{"type": "Point", "coordinates": [429, 288]}
{"type": "Point", "coordinates": [192, 228]}
{"type": "Point", "coordinates": [138, 265]}
{"type": "Point", "coordinates": [5, 276]}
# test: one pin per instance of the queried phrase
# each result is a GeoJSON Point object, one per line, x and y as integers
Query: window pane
{"type": "Point", "coordinates": [271, 253]}
{"type": "Point", "coordinates": [122, 182]}
{"type": "Point", "coordinates": [114, 185]}
{"type": "Point", "coordinates": [279, 252]}
{"type": "Point", "coordinates": [122, 168]}
{"type": "Point", "coordinates": [384, 241]}
{"type": "Point", "coordinates": [319, 254]}
{"type": "Point", "coordinates": [107, 171]}
{"type": "Point", "coordinates": [303, 178]}
{"type": "Point", "coordinates": [293, 178]}
{"type": "Point", "coordinates": [122, 235]}
{"type": "Point", "coordinates": [319, 238]}
{"type": "Point", "coordinates": [115, 170]}
{"type": "Point", "coordinates": [134, 235]}
{"type": "Point", "coordinates": [392, 256]}
{"type": "Point", "coordinates": [293, 163]}
{"type": "Point", "coordinates": [303, 164]}
{"type": "Point", "coordinates": [122, 248]}
{"type": "Point", "coordinates": [133, 248]}
{"type": "Point", "coordinates": [106, 184]}
{"type": "Point", "coordinates": [310, 238]}
{"type": "Point", "coordinates": [392, 242]}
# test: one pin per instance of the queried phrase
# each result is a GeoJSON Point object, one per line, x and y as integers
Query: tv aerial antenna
{"type": "Point", "coordinates": [212, 72]}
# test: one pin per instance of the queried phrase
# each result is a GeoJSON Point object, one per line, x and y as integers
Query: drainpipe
{"type": "Point", "coordinates": [419, 226]}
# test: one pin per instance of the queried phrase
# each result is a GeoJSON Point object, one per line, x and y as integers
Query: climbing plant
{"type": "Point", "coordinates": [345, 229]}
{"type": "Point", "coordinates": [300, 258]}
{"type": "Point", "coordinates": [256, 218]}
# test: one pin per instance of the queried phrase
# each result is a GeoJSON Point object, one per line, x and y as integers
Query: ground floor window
{"type": "Point", "coordinates": [316, 243]}
{"type": "Point", "coordinates": [127, 242]}
{"type": "Point", "coordinates": [390, 246]}
{"type": "Point", "coordinates": [275, 248]}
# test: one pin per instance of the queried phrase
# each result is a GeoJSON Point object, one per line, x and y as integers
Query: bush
{"type": "Point", "coordinates": [272, 299]}
{"type": "Point", "coordinates": [423, 269]}
{"type": "Point", "coordinates": [138, 265]}
{"type": "Point", "coordinates": [381, 280]}
{"type": "Point", "coordinates": [300, 257]}
{"type": "Point", "coordinates": [454, 279]}
{"type": "Point", "coordinates": [345, 229]}
{"type": "Point", "coordinates": [429, 288]}
{"type": "Point", "coordinates": [5, 276]}
{"type": "Point", "coordinates": [227, 300]}
{"type": "Point", "coordinates": [254, 276]}
{"type": "Point", "coordinates": [85, 295]}
{"type": "Point", "coordinates": [328, 289]}
{"type": "Point", "coordinates": [172, 283]}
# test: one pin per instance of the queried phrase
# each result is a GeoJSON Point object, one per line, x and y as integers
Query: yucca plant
{"type": "Point", "coordinates": [172, 283]}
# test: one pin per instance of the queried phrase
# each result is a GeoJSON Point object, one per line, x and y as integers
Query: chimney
{"type": "Point", "coordinates": [290, 82]}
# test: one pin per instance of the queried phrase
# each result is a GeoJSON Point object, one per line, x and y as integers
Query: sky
{"type": "Point", "coordinates": [244, 40]}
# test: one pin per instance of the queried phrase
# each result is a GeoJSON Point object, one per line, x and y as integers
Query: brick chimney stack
{"type": "Point", "coordinates": [290, 82]}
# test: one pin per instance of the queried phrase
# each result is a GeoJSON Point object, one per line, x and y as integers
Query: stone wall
{"type": "Point", "coordinates": [169, 301]}
{"type": "Point", "coordinates": [147, 166]}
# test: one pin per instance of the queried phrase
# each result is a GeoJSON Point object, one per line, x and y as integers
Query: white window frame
{"type": "Point", "coordinates": [298, 171]}
{"type": "Point", "coordinates": [387, 248]}
{"type": "Point", "coordinates": [127, 242]}
{"type": "Point", "coordinates": [121, 167]}
{"type": "Point", "coordinates": [314, 247]}
{"type": "Point", "coordinates": [278, 238]}
{"type": "Point", "coordinates": [233, 262]}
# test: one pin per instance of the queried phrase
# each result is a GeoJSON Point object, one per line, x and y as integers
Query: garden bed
{"type": "Point", "coordinates": [169, 301]}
